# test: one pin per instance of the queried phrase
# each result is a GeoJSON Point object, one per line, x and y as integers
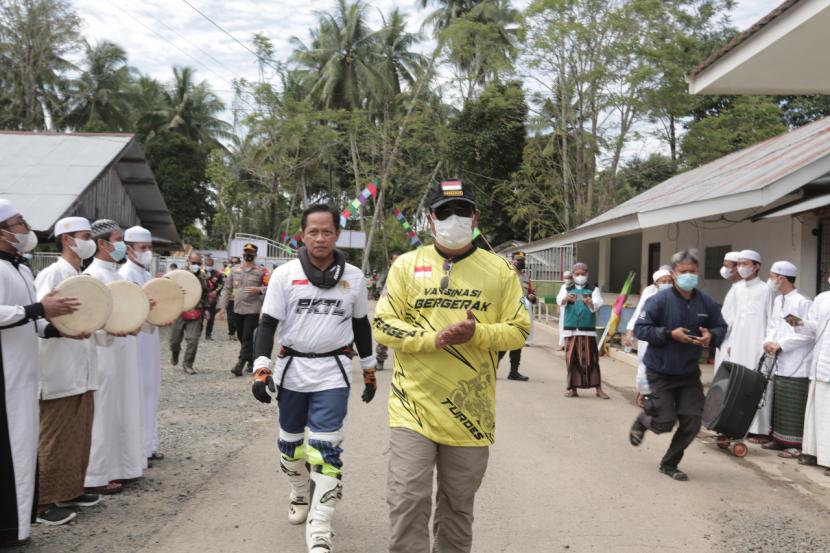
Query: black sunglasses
{"type": "Point", "coordinates": [462, 210]}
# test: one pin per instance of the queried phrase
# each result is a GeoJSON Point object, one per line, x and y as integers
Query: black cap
{"type": "Point", "coordinates": [449, 191]}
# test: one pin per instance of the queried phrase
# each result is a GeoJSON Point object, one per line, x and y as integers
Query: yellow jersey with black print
{"type": "Point", "coordinates": [448, 395]}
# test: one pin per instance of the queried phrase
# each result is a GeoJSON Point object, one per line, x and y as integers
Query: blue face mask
{"type": "Point", "coordinates": [665, 285]}
{"type": "Point", "coordinates": [119, 251]}
{"type": "Point", "coordinates": [687, 281]}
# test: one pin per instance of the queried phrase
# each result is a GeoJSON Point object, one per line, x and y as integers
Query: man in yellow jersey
{"type": "Point", "coordinates": [447, 311]}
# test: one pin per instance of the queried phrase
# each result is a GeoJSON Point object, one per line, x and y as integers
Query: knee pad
{"type": "Point", "coordinates": [323, 452]}
{"type": "Point", "coordinates": [291, 446]}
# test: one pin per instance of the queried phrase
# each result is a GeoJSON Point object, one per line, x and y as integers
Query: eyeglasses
{"type": "Point", "coordinates": [460, 209]}
{"type": "Point", "coordinates": [445, 280]}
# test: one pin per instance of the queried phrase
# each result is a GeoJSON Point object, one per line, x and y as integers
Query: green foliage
{"type": "Point", "coordinates": [486, 145]}
{"type": "Point", "coordinates": [747, 121]}
{"type": "Point", "coordinates": [641, 173]}
{"type": "Point", "coordinates": [179, 165]}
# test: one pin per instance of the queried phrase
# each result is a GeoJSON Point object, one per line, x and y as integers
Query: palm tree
{"type": "Point", "coordinates": [36, 36]}
{"type": "Point", "coordinates": [149, 114]}
{"type": "Point", "coordinates": [339, 60]}
{"type": "Point", "coordinates": [396, 60]}
{"type": "Point", "coordinates": [192, 109]}
{"type": "Point", "coordinates": [102, 98]}
{"type": "Point", "coordinates": [449, 11]}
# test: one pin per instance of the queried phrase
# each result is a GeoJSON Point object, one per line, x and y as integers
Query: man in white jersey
{"type": "Point", "coordinates": [320, 302]}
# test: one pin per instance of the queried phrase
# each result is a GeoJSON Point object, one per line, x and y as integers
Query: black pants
{"type": "Point", "coordinates": [245, 327]}
{"type": "Point", "coordinates": [674, 398]}
{"type": "Point", "coordinates": [515, 358]}
{"type": "Point", "coordinates": [231, 319]}
{"type": "Point", "coordinates": [209, 326]}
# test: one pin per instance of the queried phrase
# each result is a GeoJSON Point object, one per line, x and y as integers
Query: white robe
{"type": "Point", "coordinates": [149, 362]}
{"type": "Point", "coordinates": [817, 415]}
{"type": "Point", "coordinates": [117, 451]}
{"type": "Point", "coordinates": [728, 312]}
{"type": "Point", "coordinates": [794, 359]}
{"type": "Point", "coordinates": [641, 382]}
{"type": "Point", "coordinates": [559, 297]}
{"type": "Point", "coordinates": [19, 403]}
{"type": "Point", "coordinates": [753, 304]}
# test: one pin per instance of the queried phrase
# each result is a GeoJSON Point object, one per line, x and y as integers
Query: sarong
{"type": "Point", "coordinates": [582, 359]}
{"type": "Point", "coordinates": [789, 400]}
{"type": "Point", "coordinates": [63, 447]}
{"type": "Point", "coordinates": [817, 423]}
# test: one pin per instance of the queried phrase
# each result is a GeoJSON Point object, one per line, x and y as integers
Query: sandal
{"type": "Point", "coordinates": [111, 488]}
{"type": "Point", "coordinates": [156, 456]}
{"type": "Point", "coordinates": [807, 460]}
{"type": "Point", "coordinates": [790, 453]}
{"type": "Point", "coordinates": [571, 393]}
{"type": "Point", "coordinates": [772, 445]}
{"type": "Point", "coordinates": [674, 473]}
{"type": "Point", "coordinates": [758, 439]}
{"type": "Point", "coordinates": [602, 395]}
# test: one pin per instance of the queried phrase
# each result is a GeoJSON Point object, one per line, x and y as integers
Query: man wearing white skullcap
{"type": "Point", "coordinates": [22, 320]}
{"type": "Point", "coordinates": [753, 303]}
{"type": "Point", "coordinates": [137, 269]}
{"type": "Point", "coordinates": [117, 451]}
{"type": "Point", "coordinates": [661, 280]}
{"type": "Point", "coordinates": [729, 271]}
{"type": "Point", "coordinates": [791, 383]}
{"type": "Point", "coordinates": [68, 376]}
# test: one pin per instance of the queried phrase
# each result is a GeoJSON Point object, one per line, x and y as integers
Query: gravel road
{"type": "Point", "coordinates": [204, 420]}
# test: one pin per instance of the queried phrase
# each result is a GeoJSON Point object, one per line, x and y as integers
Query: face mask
{"type": "Point", "coordinates": [773, 284]}
{"type": "Point", "coordinates": [25, 242]}
{"type": "Point", "coordinates": [520, 265]}
{"type": "Point", "coordinates": [83, 248]}
{"type": "Point", "coordinates": [665, 286]}
{"type": "Point", "coordinates": [144, 258]}
{"type": "Point", "coordinates": [687, 281]}
{"type": "Point", "coordinates": [119, 250]}
{"type": "Point", "coordinates": [581, 280]}
{"type": "Point", "coordinates": [195, 268]}
{"type": "Point", "coordinates": [248, 257]}
{"type": "Point", "coordinates": [745, 272]}
{"type": "Point", "coordinates": [454, 232]}
{"type": "Point", "coordinates": [726, 272]}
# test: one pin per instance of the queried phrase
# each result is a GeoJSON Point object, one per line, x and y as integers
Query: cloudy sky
{"type": "Point", "coordinates": [158, 34]}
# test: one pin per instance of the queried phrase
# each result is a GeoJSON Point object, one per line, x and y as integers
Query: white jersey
{"type": "Point", "coordinates": [314, 320]}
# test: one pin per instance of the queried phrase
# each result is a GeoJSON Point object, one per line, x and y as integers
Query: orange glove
{"type": "Point", "coordinates": [263, 379]}
{"type": "Point", "coordinates": [371, 385]}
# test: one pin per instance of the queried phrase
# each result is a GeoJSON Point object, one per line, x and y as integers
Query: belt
{"type": "Point", "coordinates": [292, 353]}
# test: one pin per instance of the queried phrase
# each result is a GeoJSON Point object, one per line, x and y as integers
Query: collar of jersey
{"type": "Point", "coordinates": [457, 258]}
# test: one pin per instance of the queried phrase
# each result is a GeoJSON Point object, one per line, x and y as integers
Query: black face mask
{"type": "Point", "coordinates": [520, 265]}
{"type": "Point", "coordinates": [323, 279]}
{"type": "Point", "coordinates": [248, 257]}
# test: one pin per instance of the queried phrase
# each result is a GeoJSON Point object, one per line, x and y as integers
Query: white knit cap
{"type": "Point", "coordinates": [659, 274]}
{"type": "Point", "coordinates": [784, 268]}
{"type": "Point", "coordinates": [7, 210]}
{"type": "Point", "coordinates": [72, 224]}
{"type": "Point", "coordinates": [752, 255]}
{"type": "Point", "coordinates": [137, 234]}
{"type": "Point", "coordinates": [732, 256]}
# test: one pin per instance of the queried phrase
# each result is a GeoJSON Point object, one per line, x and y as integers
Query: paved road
{"type": "Point", "coordinates": [562, 477]}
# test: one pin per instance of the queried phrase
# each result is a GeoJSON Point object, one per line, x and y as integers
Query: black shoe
{"type": "Point", "coordinates": [637, 432]}
{"type": "Point", "coordinates": [209, 338]}
{"type": "Point", "coordinates": [85, 500]}
{"type": "Point", "coordinates": [249, 367]}
{"type": "Point", "coordinates": [674, 473]}
{"type": "Point", "coordinates": [55, 516]}
{"type": "Point", "coordinates": [237, 369]}
{"type": "Point", "coordinates": [188, 369]}
{"type": "Point", "coordinates": [516, 375]}
{"type": "Point", "coordinates": [174, 358]}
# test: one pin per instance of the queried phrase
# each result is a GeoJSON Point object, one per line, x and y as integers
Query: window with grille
{"type": "Point", "coordinates": [714, 260]}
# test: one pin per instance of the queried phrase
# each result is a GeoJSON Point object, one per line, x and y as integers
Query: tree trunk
{"type": "Point", "coordinates": [673, 139]}
{"type": "Point", "coordinates": [356, 169]}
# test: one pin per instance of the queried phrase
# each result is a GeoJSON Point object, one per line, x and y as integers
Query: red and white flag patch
{"type": "Point", "coordinates": [451, 185]}
{"type": "Point", "coordinates": [300, 282]}
{"type": "Point", "coordinates": [423, 272]}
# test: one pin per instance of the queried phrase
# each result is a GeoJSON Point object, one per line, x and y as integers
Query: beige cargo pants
{"type": "Point", "coordinates": [412, 461]}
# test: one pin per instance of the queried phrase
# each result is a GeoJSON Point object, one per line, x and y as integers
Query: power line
{"type": "Point", "coordinates": [215, 24]}
{"type": "Point", "coordinates": [174, 31]}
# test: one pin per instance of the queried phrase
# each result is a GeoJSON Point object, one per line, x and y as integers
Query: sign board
{"type": "Point", "coordinates": [353, 239]}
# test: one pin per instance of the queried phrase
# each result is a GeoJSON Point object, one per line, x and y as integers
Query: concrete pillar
{"type": "Point", "coordinates": [603, 272]}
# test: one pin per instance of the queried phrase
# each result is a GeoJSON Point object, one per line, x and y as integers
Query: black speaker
{"type": "Point", "coordinates": [733, 399]}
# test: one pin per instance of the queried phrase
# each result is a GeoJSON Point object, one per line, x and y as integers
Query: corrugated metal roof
{"type": "Point", "coordinates": [44, 173]}
{"type": "Point", "coordinates": [748, 170]}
